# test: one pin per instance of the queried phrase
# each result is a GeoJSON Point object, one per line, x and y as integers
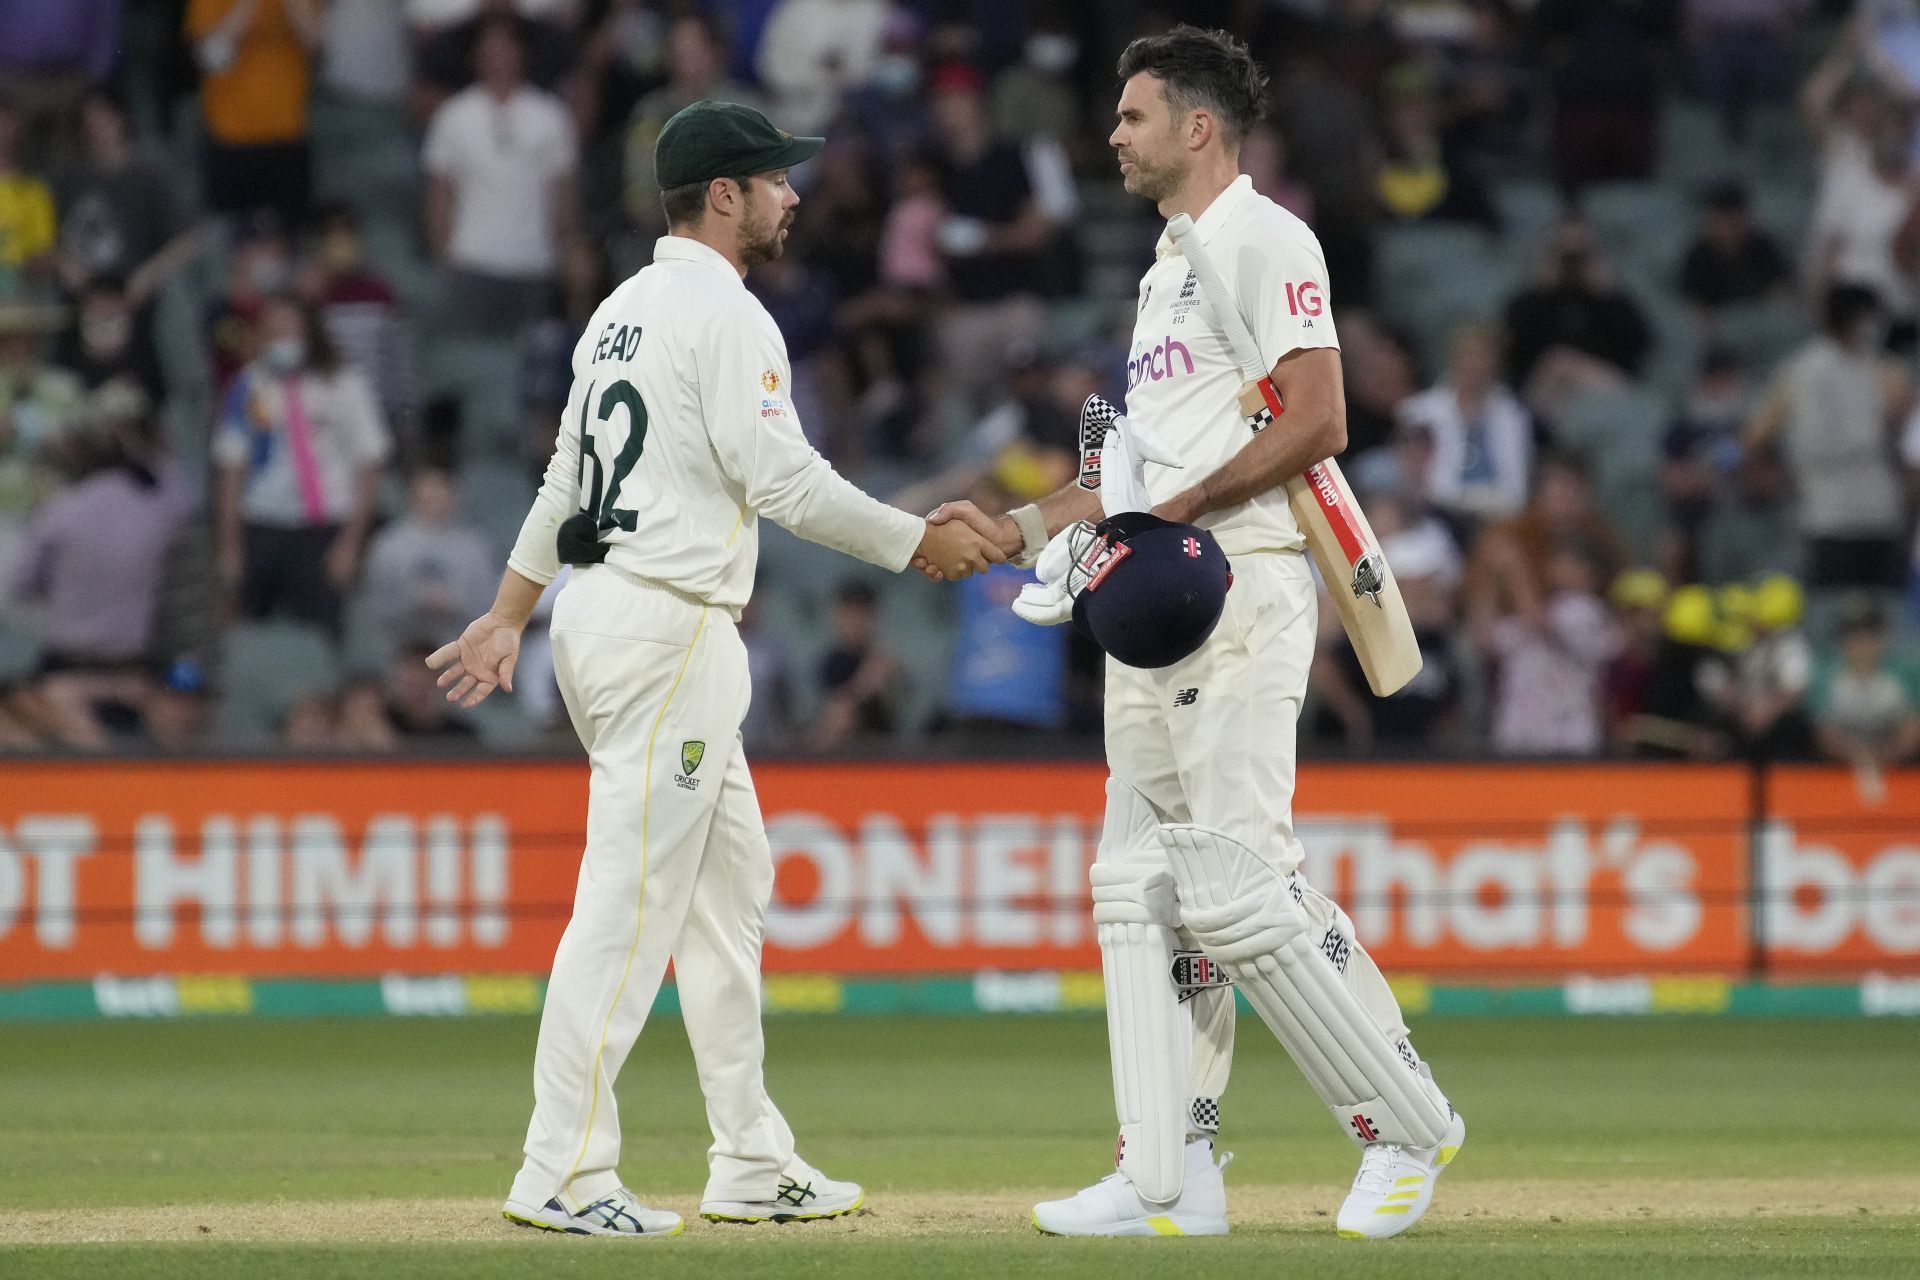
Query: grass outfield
{"type": "Point", "coordinates": [1702, 1149]}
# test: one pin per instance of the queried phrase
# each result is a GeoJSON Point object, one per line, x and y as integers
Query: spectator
{"type": "Point", "coordinates": [1687, 483]}
{"type": "Point", "coordinates": [1866, 195]}
{"type": "Point", "coordinates": [1562, 513]}
{"type": "Point", "coordinates": [26, 206]}
{"type": "Point", "coordinates": [1036, 97]}
{"type": "Point", "coordinates": [178, 717]}
{"type": "Point", "coordinates": [97, 580]}
{"type": "Point", "coordinates": [38, 401]}
{"type": "Point", "coordinates": [363, 724]}
{"type": "Point", "coordinates": [1732, 260]}
{"type": "Point", "coordinates": [113, 343]}
{"type": "Point", "coordinates": [362, 312]}
{"type": "Point", "coordinates": [1007, 677]}
{"type": "Point", "coordinates": [1742, 55]}
{"type": "Point", "coordinates": [365, 57]}
{"type": "Point", "coordinates": [1604, 60]}
{"type": "Point", "coordinates": [1491, 86]}
{"type": "Point", "coordinates": [451, 35]}
{"type": "Point", "coordinates": [1574, 329]}
{"type": "Point", "coordinates": [1751, 533]}
{"type": "Point", "coordinates": [1380, 376]}
{"type": "Point", "coordinates": [49, 54]}
{"type": "Point", "coordinates": [1639, 598]}
{"type": "Point", "coordinates": [696, 69]}
{"type": "Point", "coordinates": [118, 213]}
{"type": "Point", "coordinates": [859, 677]}
{"type": "Point", "coordinates": [255, 59]}
{"type": "Point", "coordinates": [416, 706]}
{"type": "Point", "coordinates": [889, 109]}
{"type": "Point", "coordinates": [1263, 158]}
{"type": "Point", "coordinates": [546, 356]}
{"type": "Point", "coordinates": [1550, 654]}
{"type": "Point", "coordinates": [1760, 690]}
{"type": "Point", "coordinates": [812, 51]}
{"type": "Point", "coordinates": [299, 449]}
{"type": "Point", "coordinates": [500, 162]}
{"type": "Point", "coordinates": [1833, 408]}
{"type": "Point", "coordinates": [311, 722]}
{"type": "Point", "coordinates": [1868, 717]}
{"type": "Point", "coordinates": [992, 238]}
{"type": "Point", "coordinates": [1333, 146]}
{"type": "Point", "coordinates": [1482, 436]}
{"type": "Point", "coordinates": [427, 573]}
{"type": "Point", "coordinates": [1419, 180]}
{"type": "Point", "coordinates": [259, 267]}
{"type": "Point", "coordinates": [1718, 403]}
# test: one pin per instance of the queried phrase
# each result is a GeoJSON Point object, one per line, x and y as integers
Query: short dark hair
{"type": "Point", "coordinates": [1208, 70]}
{"type": "Point", "coordinates": [686, 204]}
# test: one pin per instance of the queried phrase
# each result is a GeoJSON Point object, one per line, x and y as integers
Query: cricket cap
{"type": "Point", "coordinates": [710, 139]}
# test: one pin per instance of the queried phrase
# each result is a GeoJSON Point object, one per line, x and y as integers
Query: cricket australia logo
{"type": "Point", "coordinates": [691, 753]}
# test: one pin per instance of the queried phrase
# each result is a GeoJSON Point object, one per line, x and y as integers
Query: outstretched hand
{"type": "Point", "coordinates": [1001, 534]}
{"type": "Point", "coordinates": [955, 548]}
{"type": "Point", "coordinates": [481, 660]}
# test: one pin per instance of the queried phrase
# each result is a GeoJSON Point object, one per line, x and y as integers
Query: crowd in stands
{"type": "Point", "coordinates": [1628, 294]}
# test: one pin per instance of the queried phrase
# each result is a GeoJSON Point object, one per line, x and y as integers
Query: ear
{"type": "Point", "coordinates": [721, 196]}
{"type": "Point", "coordinates": [1200, 128]}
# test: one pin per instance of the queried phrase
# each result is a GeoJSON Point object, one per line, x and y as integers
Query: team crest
{"type": "Point", "coordinates": [770, 381]}
{"type": "Point", "coordinates": [691, 753]}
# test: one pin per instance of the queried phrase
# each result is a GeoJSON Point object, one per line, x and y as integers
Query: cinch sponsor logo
{"type": "Point", "coordinates": [1157, 363]}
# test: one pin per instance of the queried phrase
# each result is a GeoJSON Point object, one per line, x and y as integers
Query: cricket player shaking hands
{"type": "Point", "coordinates": [1196, 881]}
{"type": "Point", "coordinates": [679, 437]}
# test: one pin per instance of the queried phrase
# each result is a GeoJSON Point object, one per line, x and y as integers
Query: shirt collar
{"type": "Point", "coordinates": [1213, 217]}
{"type": "Point", "coordinates": [687, 249]}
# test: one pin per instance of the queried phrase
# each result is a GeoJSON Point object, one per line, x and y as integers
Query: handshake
{"type": "Point", "coordinates": [962, 540]}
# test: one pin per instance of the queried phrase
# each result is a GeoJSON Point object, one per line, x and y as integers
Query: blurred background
{"type": "Point", "coordinates": [1626, 292]}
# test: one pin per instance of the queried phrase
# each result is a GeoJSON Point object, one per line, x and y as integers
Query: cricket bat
{"type": "Point", "coordinates": [1338, 535]}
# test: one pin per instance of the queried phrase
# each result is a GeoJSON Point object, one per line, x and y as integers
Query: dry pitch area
{"type": "Point", "coordinates": [1697, 1149]}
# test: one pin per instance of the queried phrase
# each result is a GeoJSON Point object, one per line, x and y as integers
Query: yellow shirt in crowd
{"type": "Point", "coordinates": [261, 96]}
{"type": "Point", "coordinates": [26, 219]}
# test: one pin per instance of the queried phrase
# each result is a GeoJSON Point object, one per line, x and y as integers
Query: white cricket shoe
{"type": "Point", "coordinates": [620, 1214]}
{"type": "Point", "coordinates": [805, 1195]}
{"type": "Point", "coordinates": [1395, 1185]}
{"type": "Point", "coordinates": [1112, 1207]}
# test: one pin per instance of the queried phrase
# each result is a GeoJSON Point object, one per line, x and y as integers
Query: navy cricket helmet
{"type": "Point", "coordinates": [1154, 590]}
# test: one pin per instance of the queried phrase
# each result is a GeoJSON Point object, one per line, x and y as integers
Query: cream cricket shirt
{"type": "Point", "coordinates": [679, 424]}
{"type": "Point", "coordinates": [1181, 375]}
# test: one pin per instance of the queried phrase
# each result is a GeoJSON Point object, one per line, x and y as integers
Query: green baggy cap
{"type": "Point", "coordinates": [709, 140]}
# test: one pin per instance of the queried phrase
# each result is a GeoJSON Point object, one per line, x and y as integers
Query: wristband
{"type": "Point", "coordinates": [1033, 534]}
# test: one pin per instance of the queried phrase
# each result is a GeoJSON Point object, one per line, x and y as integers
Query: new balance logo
{"type": "Point", "coordinates": [1186, 697]}
{"type": "Point", "coordinates": [1364, 1127]}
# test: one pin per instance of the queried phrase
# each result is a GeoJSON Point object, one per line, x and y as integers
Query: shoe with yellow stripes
{"type": "Point", "coordinates": [1111, 1206]}
{"type": "Point", "coordinates": [1395, 1185]}
{"type": "Point", "coordinates": [620, 1214]}
{"type": "Point", "coordinates": [804, 1195]}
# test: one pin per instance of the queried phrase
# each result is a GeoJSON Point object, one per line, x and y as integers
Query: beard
{"type": "Point", "coordinates": [765, 245]}
{"type": "Point", "coordinates": [1152, 184]}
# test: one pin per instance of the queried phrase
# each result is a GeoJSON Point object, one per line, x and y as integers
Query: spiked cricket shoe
{"type": "Point", "coordinates": [1112, 1207]}
{"type": "Point", "coordinates": [1395, 1185]}
{"type": "Point", "coordinates": [805, 1195]}
{"type": "Point", "coordinates": [620, 1214]}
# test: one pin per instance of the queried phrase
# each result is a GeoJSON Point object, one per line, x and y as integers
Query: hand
{"type": "Point", "coordinates": [481, 660]}
{"type": "Point", "coordinates": [1003, 533]}
{"type": "Point", "coordinates": [343, 561]}
{"type": "Point", "coordinates": [955, 549]}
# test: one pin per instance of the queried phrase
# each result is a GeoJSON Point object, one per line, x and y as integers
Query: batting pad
{"type": "Point", "coordinates": [1244, 916]}
{"type": "Point", "coordinates": [1149, 1033]}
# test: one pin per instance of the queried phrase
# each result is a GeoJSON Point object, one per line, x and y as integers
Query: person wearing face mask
{"type": "Point", "coordinates": [299, 447]}
{"type": "Point", "coordinates": [1574, 329]}
{"type": "Point", "coordinates": [1834, 408]}
{"type": "Point", "coordinates": [1036, 96]}
{"type": "Point", "coordinates": [112, 342]}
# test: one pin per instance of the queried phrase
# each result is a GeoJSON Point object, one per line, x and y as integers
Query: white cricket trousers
{"type": "Point", "coordinates": [676, 865]}
{"type": "Point", "coordinates": [1212, 740]}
